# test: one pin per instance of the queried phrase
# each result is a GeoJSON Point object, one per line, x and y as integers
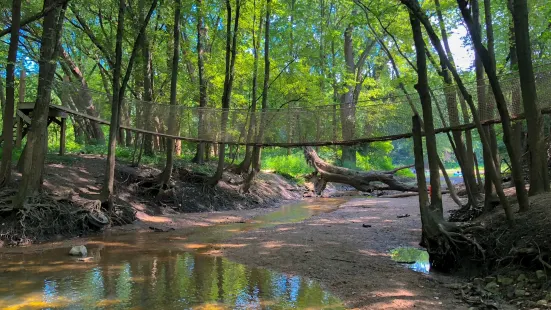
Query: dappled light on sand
{"type": "Point", "coordinates": [163, 271]}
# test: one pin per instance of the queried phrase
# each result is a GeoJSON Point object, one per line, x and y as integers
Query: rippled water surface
{"type": "Point", "coordinates": [158, 271]}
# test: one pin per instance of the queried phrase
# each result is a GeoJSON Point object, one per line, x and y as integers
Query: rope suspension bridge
{"type": "Point", "coordinates": [346, 124]}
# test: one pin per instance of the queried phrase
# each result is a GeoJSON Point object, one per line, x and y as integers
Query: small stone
{"type": "Point", "coordinates": [521, 277]}
{"type": "Point", "coordinates": [520, 293]}
{"type": "Point", "coordinates": [504, 280]}
{"type": "Point", "coordinates": [492, 287]}
{"type": "Point", "coordinates": [540, 274]}
{"type": "Point", "coordinates": [542, 302]}
{"type": "Point", "coordinates": [78, 250]}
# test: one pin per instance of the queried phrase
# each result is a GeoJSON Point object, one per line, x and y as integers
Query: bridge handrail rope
{"type": "Point", "coordinates": [376, 119]}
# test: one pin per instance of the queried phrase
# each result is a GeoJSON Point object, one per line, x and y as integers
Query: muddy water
{"type": "Point", "coordinates": [161, 271]}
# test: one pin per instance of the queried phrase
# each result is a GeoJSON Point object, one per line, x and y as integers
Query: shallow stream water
{"type": "Point", "coordinates": [161, 271]}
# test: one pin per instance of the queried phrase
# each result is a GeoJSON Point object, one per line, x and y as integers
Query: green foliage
{"type": "Point", "coordinates": [293, 165]}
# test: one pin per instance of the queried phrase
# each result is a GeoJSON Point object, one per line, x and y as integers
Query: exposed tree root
{"type": "Point", "coordinates": [44, 216]}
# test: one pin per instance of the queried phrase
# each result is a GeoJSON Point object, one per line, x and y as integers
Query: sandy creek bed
{"type": "Point", "coordinates": [314, 254]}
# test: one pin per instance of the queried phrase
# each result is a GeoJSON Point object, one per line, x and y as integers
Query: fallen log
{"type": "Point", "coordinates": [361, 180]}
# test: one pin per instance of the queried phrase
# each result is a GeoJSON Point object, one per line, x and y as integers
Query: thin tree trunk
{"type": "Point", "coordinates": [108, 189]}
{"type": "Point", "coordinates": [462, 149]}
{"type": "Point", "coordinates": [348, 158]}
{"type": "Point", "coordinates": [203, 82]}
{"type": "Point", "coordinates": [422, 88]}
{"type": "Point", "coordinates": [245, 165]}
{"type": "Point", "coordinates": [118, 96]}
{"type": "Point", "coordinates": [37, 139]}
{"type": "Point", "coordinates": [257, 150]}
{"type": "Point", "coordinates": [167, 173]}
{"type": "Point", "coordinates": [489, 67]}
{"type": "Point", "coordinates": [516, 104]}
{"type": "Point", "coordinates": [414, 7]}
{"type": "Point", "coordinates": [231, 51]}
{"type": "Point", "coordinates": [9, 108]}
{"type": "Point", "coordinates": [539, 176]}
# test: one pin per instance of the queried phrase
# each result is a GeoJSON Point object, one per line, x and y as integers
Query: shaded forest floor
{"type": "Point", "coordinates": [72, 182]}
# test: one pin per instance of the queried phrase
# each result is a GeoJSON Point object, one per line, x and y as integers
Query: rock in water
{"type": "Point", "coordinates": [78, 250]}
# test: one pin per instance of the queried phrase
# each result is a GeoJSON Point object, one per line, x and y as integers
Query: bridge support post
{"type": "Point", "coordinates": [62, 136]}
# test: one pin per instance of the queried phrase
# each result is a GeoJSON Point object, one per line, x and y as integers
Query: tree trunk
{"type": "Point", "coordinates": [435, 40]}
{"type": "Point", "coordinates": [463, 150]}
{"type": "Point", "coordinates": [489, 67]}
{"type": "Point", "coordinates": [516, 100]}
{"type": "Point", "coordinates": [9, 108]}
{"type": "Point", "coordinates": [422, 88]}
{"type": "Point", "coordinates": [231, 51]}
{"type": "Point", "coordinates": [348, 125]}
{"type": "Point", "coordinates": [108, 189]}
{"type": "Point", "coordinates": [245, 165]}
{"type": "Point", "coordinates": [167, 173]}
{"type": "Point", "coordinates": [37, 138]}
{"type": "Point", "coordinates": [203, 81]}
{"type": "Point", "coordinates": [118, 96]}
{"type": "Point", "coordinates": [539, 177]}
{"type": "Point", "coordinates": [257, 150]}
{"type": "Point", "coordinates": [147, 71]}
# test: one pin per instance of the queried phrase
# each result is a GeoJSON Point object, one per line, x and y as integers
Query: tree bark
{"type": "Point", "coordinates": [463, 150]}
{"type": "Point", "coordinates": [435, 40]}
{"type": "Point", "coordinates": [118, 96]}
{"type": "Point", "coordinates": [245, 165]}
{"type": "Point", "coordinates": [422, 88]}
{"type": "Point", "coordinates": [489, 67]}
{"type": "Point", "coordinates": [37, 138]}
{"type": "Point", "coordinates": [348, 158]}
{"type": "Point", "coordinates": [361, 180]}
{"type": "Point", "coordinates": [257, 150]}
{"type": "Point", "coordinates": [539, 176]}
{"type": "Point", "coordinates": [9, 108]}
{"type": "Point", "coordinates": [203, 81]}
{"type": "Point", "coordinates": [231, 52]}
{"type": "Point", "coordinates": [167, 173]}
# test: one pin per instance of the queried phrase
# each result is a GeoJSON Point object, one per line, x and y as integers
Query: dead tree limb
{"type": "Point", "coordinates": [361, 180]}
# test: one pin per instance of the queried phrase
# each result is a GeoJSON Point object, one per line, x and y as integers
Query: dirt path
{"type": "Point", "coordinates": [351, 260]}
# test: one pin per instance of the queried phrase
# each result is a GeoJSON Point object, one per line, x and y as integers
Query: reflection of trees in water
{"type": "Point", "coordinates": [170, 280]}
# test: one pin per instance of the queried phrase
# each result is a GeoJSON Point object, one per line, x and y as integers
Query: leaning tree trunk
{"type": "Point", "coordinates": [463, 150]}
{"type": "Point", "coordinates": [489, 67]}
{"type": "Point", "coordinates": [167, 173]}
{"type": "Point", "coordinates": [35, 150]}
{"type": "Point", "coordinates": [539, 176]}
{"type": "Point", "coordinates": [8, 109]}
{"type": "Point", "coordinates": [366, 181]}
{"type": "Point", "coordinates": [436, 232]}
{"type": "Point", "coordinates": [414, 7]}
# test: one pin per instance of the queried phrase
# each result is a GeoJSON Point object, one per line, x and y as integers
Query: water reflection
{"type": "Point", "coordinates": [155, 271]}
{"type": "Point", "coordinates": [415, 259]}
{"type": "Point", "coordinates": [163, 280]}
